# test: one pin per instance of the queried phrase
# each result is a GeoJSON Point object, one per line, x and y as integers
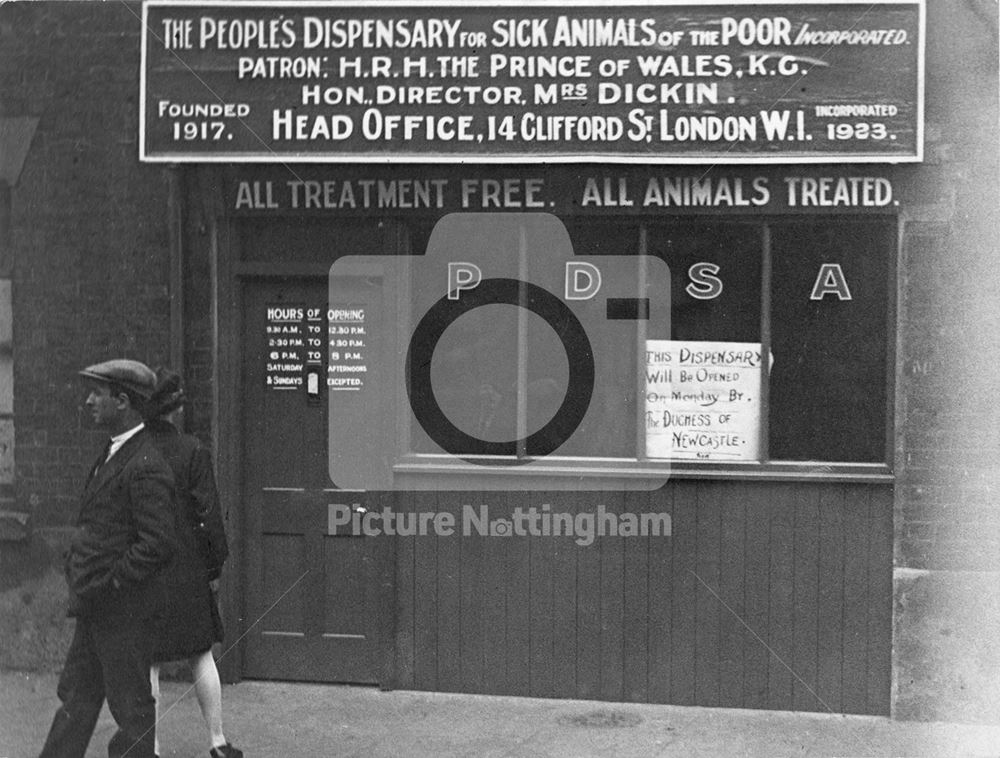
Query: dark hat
{"type": "Point", "coordinates": [168, 395]}
{"type": "Point", "coordinates": [132, 375]}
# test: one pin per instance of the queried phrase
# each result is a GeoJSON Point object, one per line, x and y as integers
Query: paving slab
{"type": "Point", "coordinates": [279, 719]}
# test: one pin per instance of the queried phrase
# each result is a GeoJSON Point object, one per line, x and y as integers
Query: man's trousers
{"type": "Point", "coordinates": [108, 658]}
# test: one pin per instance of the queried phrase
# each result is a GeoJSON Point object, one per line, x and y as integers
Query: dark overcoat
{"type": "Point", "coordinates": [190, 623]}
{"type": "Point", "coordinates": [125, 535]}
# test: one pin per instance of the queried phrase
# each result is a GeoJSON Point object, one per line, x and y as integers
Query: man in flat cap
{"type": "Point", "coordinates": [124, 538]}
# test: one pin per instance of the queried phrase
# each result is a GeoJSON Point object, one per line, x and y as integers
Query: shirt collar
{"type": "Point", "coordinates": [120, 439]}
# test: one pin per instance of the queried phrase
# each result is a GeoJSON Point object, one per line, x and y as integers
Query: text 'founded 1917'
{"type": "Point", "coordinates": [742, 82]}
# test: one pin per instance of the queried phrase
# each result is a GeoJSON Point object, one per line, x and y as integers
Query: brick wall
{"type": "Point", "coordinates": [946, 600]}
{"type": "Point", "coordinates": [89, 233]}
{"type": "Point", "coordinates": [949, 453]}
{"type": "Point", "coordinates": [198, 311]}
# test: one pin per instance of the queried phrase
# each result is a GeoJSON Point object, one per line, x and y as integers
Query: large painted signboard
{"type": "Point", "coordinates": [661, 82]}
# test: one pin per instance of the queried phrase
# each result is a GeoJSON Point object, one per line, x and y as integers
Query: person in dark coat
{"type": "Point", "coordinates": [190, 624]}
{"type": "Point", "coordinates": [124, 539]}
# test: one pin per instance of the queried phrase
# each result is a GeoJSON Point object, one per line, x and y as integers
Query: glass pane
{"type": "Point", "coordinates": [473, 366]}
{"type": "Point", "coordinates": [703, 380]}
{"type": "Point", "coordinates": [608, 428]}
{"type": "Point", "coordinates": [715, 270]}
{"type": "Point", "coordinates": [829, 306]}
{"type": "Point", "coordinates": [474, 372]}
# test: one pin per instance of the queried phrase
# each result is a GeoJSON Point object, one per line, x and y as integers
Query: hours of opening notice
{"type": "Point", "coordinates": [736, 82]}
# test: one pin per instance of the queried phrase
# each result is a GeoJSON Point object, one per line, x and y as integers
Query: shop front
{"type": "Point", "coordinates": [776, 482]}
{"type": "Point", "coordinates": [553, 410]}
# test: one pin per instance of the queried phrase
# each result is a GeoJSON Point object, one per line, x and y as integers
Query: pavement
{"type": "Point", "coordinates": [279, 719]}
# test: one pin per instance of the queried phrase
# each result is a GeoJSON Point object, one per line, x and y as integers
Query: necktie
{"type": "Point", "coordinates": [102, 460]}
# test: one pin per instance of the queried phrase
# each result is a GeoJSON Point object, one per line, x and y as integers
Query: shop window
{"type": "Point", "coordinates": [715, 279]}
{"type": "Point", "coordinates": [806, 302]}
{"type": "Point", "coordinates": [609, 427]}
{"type": "Point", "coordinates": [829, 320]}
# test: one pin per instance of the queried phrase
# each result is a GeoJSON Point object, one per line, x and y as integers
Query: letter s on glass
{"type": "Point", "coordinates": [704, 284]}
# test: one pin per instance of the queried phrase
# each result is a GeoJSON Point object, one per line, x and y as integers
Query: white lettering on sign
{"type": "Point", "coordinates": [590, 191]}
{"type": "Point", "coordinates": [371, 33]}
{"type": "Point", "coordinates": [506, 193]}
{"type": "Point", "coordinates": [704, 284]}
{"type": "Point", "coordinates": [255, 195]}
{"type": "Point", "coordinates": [667, 191]}
{"type": "Point", "coordinates": [288, 344]}
{"type": "Point", "coordinates": [581, 273]}
{"type": "Point", "coordinates": [399, 81]}
{"type": "Point", "coordinates": [347, 345]}
{"type": "Point", "coordinates": [462, 276]}
{"type": "Point", "coordinates": [280, 67]}
{"type": "Point", "coordinates": [366, 193]}
{"type": "Point", "coordinates": [828, 191]}
{"type": "Point", "coordinates": [830, 281]}
{"type": "Point", "coordinates": [284, 314]}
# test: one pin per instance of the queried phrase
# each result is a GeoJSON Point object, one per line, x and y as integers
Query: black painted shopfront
{"type": "Point", "coordinates": [773, 588]}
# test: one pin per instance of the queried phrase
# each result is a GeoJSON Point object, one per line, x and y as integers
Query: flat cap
{"type": "Point", "coordinates": [132, 375]}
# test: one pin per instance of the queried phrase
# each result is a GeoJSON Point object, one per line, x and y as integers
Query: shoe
{"type": "Point", "coordinates": [225, 751]}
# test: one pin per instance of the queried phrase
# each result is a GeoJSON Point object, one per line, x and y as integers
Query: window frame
{"type": "Point", "coordinates": [439, 467]}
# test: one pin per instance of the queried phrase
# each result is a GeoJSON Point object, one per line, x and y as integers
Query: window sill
{"type": "Point", "coordinates": [436, 471]}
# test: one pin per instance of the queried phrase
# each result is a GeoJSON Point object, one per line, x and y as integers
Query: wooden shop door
{"type": "Point", "coordinates": [314, 600]}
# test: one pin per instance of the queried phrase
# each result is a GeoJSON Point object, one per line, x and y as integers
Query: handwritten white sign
{"type": "Point", "coordinates": [703, 400]}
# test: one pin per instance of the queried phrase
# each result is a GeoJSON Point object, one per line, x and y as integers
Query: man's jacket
{"type": "Point", "coordinates": [125, 534]}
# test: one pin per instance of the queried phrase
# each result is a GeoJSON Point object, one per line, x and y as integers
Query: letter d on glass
{"type": "Point", "coordinates": [583, 280]}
